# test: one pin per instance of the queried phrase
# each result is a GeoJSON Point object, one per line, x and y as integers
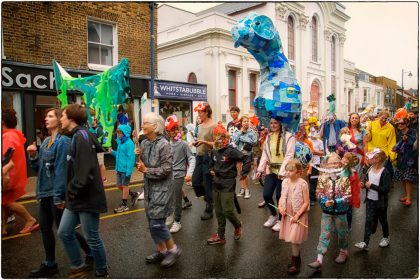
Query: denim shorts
{"type": "Point", "coordinates": [158, 230]}
{"type": "Point", "coordinates": [122, 179]}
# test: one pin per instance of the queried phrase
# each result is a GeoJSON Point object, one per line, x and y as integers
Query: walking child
{"type": "Point", "coordinates": [223, 159]}
{"type": "Point", "coordinates": [377, 189]}
{"type": "Point", "coordinates": [245, 138]}
{"type": "Point", "coordinates": [294, 206]}
{"type": "Point", "coordinates": [125, 159]}
{"type": "Point", "coordinates": [333, 193]}
{"type": "Point", "coordinates": [183, 167]}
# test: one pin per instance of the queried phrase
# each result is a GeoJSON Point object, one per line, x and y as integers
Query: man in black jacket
{"type": "Point", "coordinates": [85, 195]}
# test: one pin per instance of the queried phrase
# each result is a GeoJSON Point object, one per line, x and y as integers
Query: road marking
{"type": "Point", "coordinates": [106, 190]}
{"type": "Point", "coordinates": [120, 214]}
{"type": "Point", "coordinates": [101, 218]}
{"type": "Point", "coordinates": [15, 236]}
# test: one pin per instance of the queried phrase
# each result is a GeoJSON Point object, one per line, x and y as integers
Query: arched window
{"type": "Point", "coordinates": [192, 78]}
{"type": "Point", "coordinates": [291, 38]}
{"type": "Point", "coordinates": [333, 59]}
{"type": "Point", "coordinates": [314, 30]}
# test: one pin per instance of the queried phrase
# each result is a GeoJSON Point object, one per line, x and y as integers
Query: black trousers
{"type": "Point", "coordinates": [48, 214]}
{"type": "Point", "coordinates": [374, 213]}
{"type": "Point", "coordinates": [312, 184]}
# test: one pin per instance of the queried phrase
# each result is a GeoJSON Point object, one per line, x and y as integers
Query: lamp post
{"type": "Point", "coordinates": [402, 82]}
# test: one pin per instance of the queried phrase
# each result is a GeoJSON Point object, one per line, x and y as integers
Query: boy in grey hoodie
{"type": "Point", "coordinates": [183, 166]}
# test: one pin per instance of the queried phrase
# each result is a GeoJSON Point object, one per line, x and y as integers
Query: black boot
{"type": "Point", "coordinates": [294, 269]}
{"type": "Point", "coordinates": [44, 271]}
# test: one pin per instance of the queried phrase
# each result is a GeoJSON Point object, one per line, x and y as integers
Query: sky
{"type": "Point", "coordinates": [381, 37]}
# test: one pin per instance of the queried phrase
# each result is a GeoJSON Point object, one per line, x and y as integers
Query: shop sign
{"type": "Point", "coordinates": [181, 91]}
{"type": "Point", "coordinates": [16, 75]}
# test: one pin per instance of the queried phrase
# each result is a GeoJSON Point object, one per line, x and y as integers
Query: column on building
{"type": "Point", "coordinates": [327, 75]}
{"type": "Point", "coordinates": [222, 90]}
{"type": "Point", "coordinates": [243, 94]}
{"type": "Point", "coordinates": [341, 98]}
{"type": "Point", "coordinates": [302, 59]}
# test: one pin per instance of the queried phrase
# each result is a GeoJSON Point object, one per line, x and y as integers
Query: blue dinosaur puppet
{"type": "Point", "coordinates": [279, 94]}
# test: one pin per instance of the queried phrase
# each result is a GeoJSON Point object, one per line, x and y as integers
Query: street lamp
{"type": "Point", "coordinates": [402, 81]}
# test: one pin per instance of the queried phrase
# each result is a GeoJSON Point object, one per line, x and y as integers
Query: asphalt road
{"type": "Point", "coordinates": [258, 254]}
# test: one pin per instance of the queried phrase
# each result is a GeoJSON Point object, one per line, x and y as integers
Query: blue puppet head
{"type": "Point", "coordinates": [279, 93]}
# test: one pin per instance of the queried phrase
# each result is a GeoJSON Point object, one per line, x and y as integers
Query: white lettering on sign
{"type": "Point", "coordinates": [27, 78]}
{"type": "Point", "coordinates": [5, 74]}
{"type": "Point", "coordinates": [36, 81]}
{"type": "Point", "coordinates": [52, 80]}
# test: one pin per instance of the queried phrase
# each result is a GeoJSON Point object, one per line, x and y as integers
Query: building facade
{"type": "Point", "coordinates": [84, 37]}
{"type": "Point", "coordinates": [368, 91]}
{"type": "Point", "coordinates": [313, 39]}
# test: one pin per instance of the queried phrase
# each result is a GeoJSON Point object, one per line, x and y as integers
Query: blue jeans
{"type": "Point", "coordinates": [202, 180]}
{"type": "Point", "coordinates": [90, 227]}
{"type": "Point", "coordinates": [48, 214]}
{"type": "Point", "coordinates": [272, 183]}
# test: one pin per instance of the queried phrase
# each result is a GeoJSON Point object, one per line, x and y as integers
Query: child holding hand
{"type": "Point", "coordinates": [294, 206]}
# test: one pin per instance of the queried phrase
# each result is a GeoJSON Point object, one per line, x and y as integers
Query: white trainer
{"type": "Point", "coordinates": [141, 197]}
{"type": "Point", "coordinates": [276, 227]}
{"type": "Point", "coordinates": [247, 194]}
{"type": "Point", "coordinates": [176, 226]}
{"type": "Point", "coordinates": [384, 242]}
{"type": "Point", "coordinates": [271, 221]}
{"type": "Point", "coordinates": [362, 245]}
{"type": "Point", "coordinates": [170, 220]}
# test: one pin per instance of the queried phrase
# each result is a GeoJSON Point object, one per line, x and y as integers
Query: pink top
{"type": "Point", "coordinates": [296, 193]}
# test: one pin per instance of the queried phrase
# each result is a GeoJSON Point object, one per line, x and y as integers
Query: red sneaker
{"type": "Point", "coordinates": [216, 239]}
{"type": "Point", "coordinates": [238, 233]}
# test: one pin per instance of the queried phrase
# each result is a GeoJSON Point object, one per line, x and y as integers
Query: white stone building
{"type": "Point", "coordinates": [367, 92]}
{"type": "Point", "coordinates": [200, 45]}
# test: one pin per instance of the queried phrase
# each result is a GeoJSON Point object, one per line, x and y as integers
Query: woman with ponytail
{"type": "Point", "coordinates": [278, 150]}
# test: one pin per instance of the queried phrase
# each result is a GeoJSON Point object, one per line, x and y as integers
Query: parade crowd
{"type": "Point", "coordinates": [327, 161]}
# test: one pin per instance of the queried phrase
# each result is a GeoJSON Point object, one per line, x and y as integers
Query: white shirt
{"type": "Point", "coordinates": [374, 178]}
{"type": "Point", "coordinates": [318, 147]}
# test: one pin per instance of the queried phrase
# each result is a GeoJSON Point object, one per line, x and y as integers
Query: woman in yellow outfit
{"type": "Point", "coordinates": [381, 134]}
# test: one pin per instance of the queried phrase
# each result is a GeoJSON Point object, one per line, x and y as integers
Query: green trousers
{"type": "Point", "coordinates": [223, 207]}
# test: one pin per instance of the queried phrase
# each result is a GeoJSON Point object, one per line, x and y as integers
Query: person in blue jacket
{"type": "Point", "coordinates": [125, 159]}
{"type": "Point", "coordinates": [51, 164]}
{"type": "Point", "coordinates": [330, 132]}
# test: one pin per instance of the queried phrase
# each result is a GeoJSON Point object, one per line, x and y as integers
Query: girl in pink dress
{"type": "Point", "coordinates": [294, 206]}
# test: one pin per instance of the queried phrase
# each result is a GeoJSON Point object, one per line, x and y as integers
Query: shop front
{"type": "Point", "coordinates": [178, 98]}
{"type": "Point", "coordinates": [30, 90]}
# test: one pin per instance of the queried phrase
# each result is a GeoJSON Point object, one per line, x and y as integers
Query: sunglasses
{"type": "Point", "coordinates": [401, 123]}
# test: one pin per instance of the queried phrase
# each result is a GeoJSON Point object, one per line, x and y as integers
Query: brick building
{"type": "Point", "coordinates": [84, 37]}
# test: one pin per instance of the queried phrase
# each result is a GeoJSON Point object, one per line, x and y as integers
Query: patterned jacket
{"type": "Point", "coordinates": [338, 190]}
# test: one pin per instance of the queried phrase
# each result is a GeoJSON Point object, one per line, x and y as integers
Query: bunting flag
{"type": "Point", "coordinates": [102, 92]}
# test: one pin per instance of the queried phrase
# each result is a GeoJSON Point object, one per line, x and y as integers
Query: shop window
{"type": "Point", "coordinates": [192, 78]}
{"type": "Point", "coordinates": [101, 43]}
{"type": "Point", "coordinates": [252, 89]}
{"type": "Point", "coordinates": [182, 110]}
{"type": "Point", "coordinates": [6, 100]}
{"type": "Point", "coordinates": [232, 88]}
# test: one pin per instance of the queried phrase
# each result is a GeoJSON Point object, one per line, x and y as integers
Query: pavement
{"type": "Point", "coordinates": [136, 178]}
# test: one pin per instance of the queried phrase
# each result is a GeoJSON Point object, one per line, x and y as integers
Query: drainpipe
{"type": "Point", "coordinates": [152, 52]}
